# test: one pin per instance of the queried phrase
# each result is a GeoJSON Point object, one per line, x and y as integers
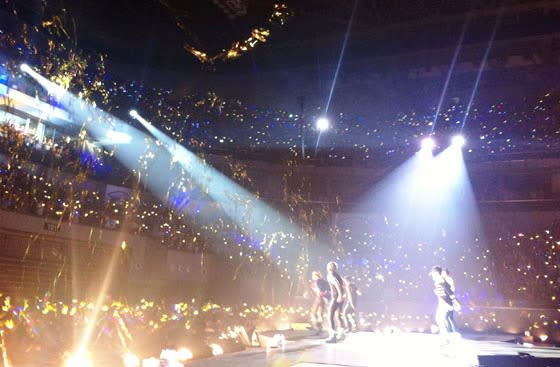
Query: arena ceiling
{"type": "Point", "coordinates": [190, 34]}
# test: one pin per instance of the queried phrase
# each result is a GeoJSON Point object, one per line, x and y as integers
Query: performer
{"type": "Point", "coordinates": [335, 306]}
{"type": "Point", "coordinates": [352, 293]}
{"type": "Point", "coordinates": [448, 278]}
{"type": "Point", "coordinates": [446, 275]}
{"type": "Point", "coordinates": [446, 304]}
{"type": "Point", "coordinates": [320, 289]}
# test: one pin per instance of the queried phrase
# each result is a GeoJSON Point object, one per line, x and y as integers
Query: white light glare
{"type": "Point", "coordinates": [428, 144]}
{"type": "Point", "coordinates": [117, 137]}
{"type": "Point", "coordinates": [130, 360]}
{"type": "Point", "coordinates": [184, 354]}
{"type": "Point", "coordinates": [458, 141]}
{"type": "Point", "coordinates": [78, 360]}
{"type": "Point", "coordinates": [25, 68]}
{"type": "Point", "coordinates": [216, 349]}
{"type": "Point", "coordinates": [151, 362]}
{"type": "Point", "coordinates": [322, 123]}
{"type": "Point", "coordinates": [133, 114]}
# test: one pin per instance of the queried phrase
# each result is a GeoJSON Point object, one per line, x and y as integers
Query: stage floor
{"type": "Point", "coordinates": [370, 349]}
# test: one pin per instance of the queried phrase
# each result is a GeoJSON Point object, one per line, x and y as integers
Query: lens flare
{"type": "Point", "coordinates": [322, 124]}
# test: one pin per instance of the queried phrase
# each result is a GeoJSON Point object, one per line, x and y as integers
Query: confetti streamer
{"type": "Point", "coordinates": [279, 16]}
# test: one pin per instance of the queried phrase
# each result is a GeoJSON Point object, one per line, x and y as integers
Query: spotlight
{"type": "Point", "coordinates": [322, 123]}
{"type": "Point", "coordinates": [184, 354]}
{"type": "Point", "coordinates": [543, 337]}
{"type": "Point", "coordinates": [25, 68]}
{"type": "Point", "coordinates": [216, 350]}
{"type": "Point", "coordinates": [428, 144]}
{"type": "Point", "coordinates": [130, 360]}
{"type": "Point", "coordinates": [133, 114]}
{"type": "Point", "coordinates": [458, 141]}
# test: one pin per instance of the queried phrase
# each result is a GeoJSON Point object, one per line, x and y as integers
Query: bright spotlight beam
{"type": "Point", "coordinates": [117, 137]}
{"type": "Point", "coordinates": [263, 226]}
{"type": "Point", "coordinates": [99, 123]}
{"type": "Point", "coordinates": [341, 55]}
{"type": "Point", "coordinates": [450, 71]}
{"type": "Point", "coordinates": [482, 65]}
{"type": "Point", "coordinates": [52, 88]}
{"type": "Point", "coordinates": [458, 141]}
{"type": "Point", "coordinates": [259, 220]}
{"type": "Point", "coordinates": [338, 64]}
{"type": "Point", "coordinates": [25, 68]}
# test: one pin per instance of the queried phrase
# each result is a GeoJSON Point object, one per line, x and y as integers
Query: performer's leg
{"type": "Point", "coordinates": [349, 317]}
{"type": "Point", "coordinates": [451, 322]}
{"type": "Point", "coordinates": [332, 314]}
{"type": "Point", "coordinates": [441, 321]}
{"type": "Point", "coordinates": [340, 318]}
{"type": "Point", "coordinates": [320, 312]}
{"type": "Point", "coordinates": [315, 309]}
{"type": "Point", "coordinates": [346, 317]}
{"type": "Point", "coordinates": [332, 321]}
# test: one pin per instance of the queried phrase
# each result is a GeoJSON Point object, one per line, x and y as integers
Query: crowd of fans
{"type": "Point", "coordinates": [66, 178]}
{"type": "Point", "coordinates": [510, 269]}
{"type": "Point", "coordinates": [49, 181]}
{"type": "Point", "coordinates": [39, 330]}
{"type": "Point", "coordinates": [211, 123]}
{"type": "Point", "coordinates": [217, 124]}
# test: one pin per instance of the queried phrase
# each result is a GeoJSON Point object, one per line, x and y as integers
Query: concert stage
{"type": "Point", "coordinates": [407, 349]}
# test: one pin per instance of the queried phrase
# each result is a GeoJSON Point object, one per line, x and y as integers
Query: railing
{"type": "Point", "coordinates": [40, 265]}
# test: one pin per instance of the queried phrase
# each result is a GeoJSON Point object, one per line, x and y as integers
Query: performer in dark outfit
{"type": "Point", "coordinates": [446, 275]}
{"type": "Point", "coordinates": [352, 293]}
{"type": "Point", "coordinates": [320, 289]}
{"type": "Point", "coordinates": [446, 304]}
{"type": "Point", "coordinates": [335, 306]}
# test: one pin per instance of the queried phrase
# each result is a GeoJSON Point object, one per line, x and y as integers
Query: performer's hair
{"type": "Point", "coordinates": [317, 274]}
{"type": "Point", "coordinates": [331, 266]}
{"type": "Point", "coordinates": [436, 269]}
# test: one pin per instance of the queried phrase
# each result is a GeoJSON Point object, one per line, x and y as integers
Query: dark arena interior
{"type": "Point", "coordinates": [279, 183]}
